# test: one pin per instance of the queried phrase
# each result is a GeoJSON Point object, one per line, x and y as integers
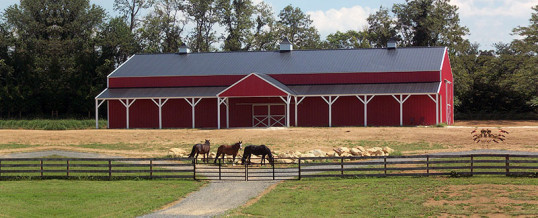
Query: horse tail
{"type": "Point", "coordinates": [193, 151]}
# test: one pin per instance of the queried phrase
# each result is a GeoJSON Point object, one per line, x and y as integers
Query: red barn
{"type": "Point", "coordinates": [353, 87]}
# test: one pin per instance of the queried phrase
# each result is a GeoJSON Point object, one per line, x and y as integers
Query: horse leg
{"type": "Point", "coordinates": [233, 159]}
{"type": "Point", "coordinates": [263, 159]}
{"type": "Point", "coordinates": [217, 157]}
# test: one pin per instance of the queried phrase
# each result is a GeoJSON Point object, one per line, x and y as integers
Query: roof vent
{"type": "Point", "coordinates": [391, 44]}
{"type": "Point", "coordinates": [184, 49]}
{"type": "Point", "coordinates": [285, 45]}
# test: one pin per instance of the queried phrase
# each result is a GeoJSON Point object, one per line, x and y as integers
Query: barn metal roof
{"type": "Point", "coordinates": [152, 93]}
{"type": "Point", "coordinates": [302, 90]}
{"type": "Point", "coordinates": [274, 62]}
{"type": "Point", "coordinates": [367, 89]}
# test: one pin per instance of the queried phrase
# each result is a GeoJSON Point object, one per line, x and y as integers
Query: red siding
{"type": "Point", "coordinates": [447, 98]}
{"type": "Point", "coordinates": [241, 110]}
{"type": "Point", "coordinates": [177, 114]}
{"type": "Point", "coordinates": [418, 110]}
{"type": "Point", "coordinates": [313, 111]}
{"type": "Point", "coordinates": [383, 111]}
{"type": "Point", "coordinates": [144, 114]}
{"type": "Point", "coordinates": [288, 79]}
{"type": "Point", "coordinates": [116, 115]}
{"type": "Point", "coordinates": [348, 111]}
{"type": "Point", "coordinates": [253, 86]}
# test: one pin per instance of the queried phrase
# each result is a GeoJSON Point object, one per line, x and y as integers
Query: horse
{"type": "Point", "coordinates": [257, 150]}
{"type": "Point", "coordinates": [230, 150]}
{"type": "Point", "coordinates": [201, 149]}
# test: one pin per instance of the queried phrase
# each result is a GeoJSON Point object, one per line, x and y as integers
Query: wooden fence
{"type": "Point", "coordinates": [96, 167]}
{"type": "Point", "coordinates": [418, 165]}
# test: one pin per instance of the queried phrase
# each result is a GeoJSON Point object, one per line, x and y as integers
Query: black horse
{"type": "Point", "coordinates": [201, 149]}
{"type": "Point", "coordinates": [257, 150]}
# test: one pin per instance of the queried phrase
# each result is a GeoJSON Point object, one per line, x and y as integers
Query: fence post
{"type": "Point", "coordinates": [0, 168]}
{"type": "Point", "coordinates": [273, 169]}
{"type": "Point", "coordinates": [507, 165]}
{"type": "Point", "coordinates": [385, 165]}
{"type": "Point", "coordinates": [342, 166]}
{"type": "Point", "coordinates": [109, 169]}
{"type": "Point", "coordinates": [299, 168]}
{"type": "Point", "coordinates": [220, 169]}
{"type": "Point", "coordinates": [428, 165]}
{"type": "Point", "coordinates": [472, 164]}
{"type": "Point", "coordinates": [194, 169]}
{"type": "Point", "coordinates": [41, 168]}
{"type": "Point", "coordinates": [151, 169]}
{"type": "Point", "coordinates": [246, 171]}
{"type": "Point", "coordinates": [67, 168]}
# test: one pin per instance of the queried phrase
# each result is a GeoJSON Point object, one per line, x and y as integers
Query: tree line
{"type": "Point", "coordinates": [55, 54]}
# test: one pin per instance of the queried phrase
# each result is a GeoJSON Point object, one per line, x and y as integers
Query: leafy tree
{"type": "Point", "coordinates": [529, 42]}
{"type": "Point", "coordinates": [265, 35]}
{"type": "Point", "coordinates": [204, 14]}
{"type": "Point", "coordinates": [237, 16]}
{"type": "Point", "coordinates": [161, 30]}
{"type": "Point", "coordinates": [130, 9]}
{"type": "Point", "coordinates": [347, 40]}
{"type": "Point", "coordinates": [429, 23]}
{"type": "Point", "coordinates": [297, 27]}
{"type": "Point", "coordinates": [53, 38]}
{"type": "Point", "coordinates": [381, 28]}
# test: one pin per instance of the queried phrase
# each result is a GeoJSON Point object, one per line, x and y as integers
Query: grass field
{"type": "Point", "coordinates": [43, 124]}
{"type": "Point", "coordinates": [399, 197]}
{"type": "Point", "coordinates": [68, 198]}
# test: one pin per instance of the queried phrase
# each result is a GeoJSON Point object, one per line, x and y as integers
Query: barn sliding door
{"type": "Point", "coordinates": [268, 115]}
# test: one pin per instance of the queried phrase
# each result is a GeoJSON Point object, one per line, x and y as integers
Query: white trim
{"type": "Point", "coordinates": [256, 74]}
{"type": "Point", "coordinates": [288, 102]}
{"type": "Point", "coordinates": [127, 106]}
{"type": "Point", "coordinates": [101, 92]}
{"type": "Point", "coordinates": [160, 105]}
{"type": "Point", "coordinates": [436, 100]}
{"type": "Point", "coordinates": [193, 108]}
{"type": "Point", "coordinates": [297, 108]}
{"type": "Point", "coordinates": [376, 94]}
{"type": "Point", "coordinates": [121, 65]}
{"type": "Point", "coordinates": [330, 102]}
{"type": "Point", "coordinates": [365, 103]}
{"type": "Point", "coordinates": [156, 97]}
{"type": "Point", "coordinates": [401, 101]}
{"type": "Point", "coordinates": [442, 63]}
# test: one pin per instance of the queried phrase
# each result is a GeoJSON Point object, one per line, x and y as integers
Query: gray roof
{"type": "Point", "coordinates": [275, 62]}
{"type": "Point", "coordinates": [147, 93]}
{"type": "Point", "coordinates": [306, 90]}
{"type": "Point", "coordinates": [367, 89]}
{"type": "Point", "coordinates": [275, 82]}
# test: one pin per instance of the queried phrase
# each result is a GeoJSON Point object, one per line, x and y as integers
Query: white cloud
{"type": "Point", "coordinates": [508, 8]}
{"type": "Point", "coordinates": [342, 19]}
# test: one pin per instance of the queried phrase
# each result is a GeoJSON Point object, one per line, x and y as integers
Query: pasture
{"type": "Point", "coordinates": [398, 197]}
{"type": "Point", "coordinates": [365, 197]}
{"type": "Point", "coordinates": [77, 198]}
{"type": "Point", "coordinates": [155, 143]}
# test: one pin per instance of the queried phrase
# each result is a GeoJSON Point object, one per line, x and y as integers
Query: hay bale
{"type": "Point", "coordinates": [177, 152]}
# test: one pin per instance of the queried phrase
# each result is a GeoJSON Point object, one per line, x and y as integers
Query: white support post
{"type": "Point", "coordinates": [219, 102]}
{"type": "Point", "coordinates": [330, 102]}
{"type": "Point", "coordinates": [436, 100]}
{"type": "Point", "coordinates": [227, 113]}
{"type": "Point", "coordinates": [97, 105]}
{"type": "Point", "coordinates": [365, 102]}
{"type": "Point", "coordinates": [287, 100]}
{"type": "Point", "coordinates": [193, 104]}
{"type": "Point", "coordinates": [127, 105]}
{"type": "Point", "coordinates": [401, 101]}
{"type": "Point", "coordinates": [160, 104]}
{"type": "Point", "coordinates": [447, 103]}
{"type": "Point", "coordinates": [297, 104]}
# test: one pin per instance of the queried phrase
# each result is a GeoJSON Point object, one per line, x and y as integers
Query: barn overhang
{"type": "Point", "coordinates": [256, 85]}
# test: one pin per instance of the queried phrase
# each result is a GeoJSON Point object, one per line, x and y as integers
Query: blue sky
{"type": "Point", "coordinates": [489, 21]}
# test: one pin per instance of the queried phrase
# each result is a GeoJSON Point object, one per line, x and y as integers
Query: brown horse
{"type": "Point", "coordinates": [230, 150]}
{"type": "Point", "coordinates": [201, 149]}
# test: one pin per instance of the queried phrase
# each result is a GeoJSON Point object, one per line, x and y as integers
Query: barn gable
{"type": "Point", "coordinates": [256, 84]}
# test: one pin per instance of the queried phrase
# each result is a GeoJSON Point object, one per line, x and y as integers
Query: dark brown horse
{"type": "Point", "coordinates": [257, 150]}
{"type": "Point", "coordinates": [201, 149]}
{"type": "Point", "coordinates": [228, 150]}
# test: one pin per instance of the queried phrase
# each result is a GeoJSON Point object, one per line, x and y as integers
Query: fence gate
{"type": "Point", "coordinates": [252, 172]}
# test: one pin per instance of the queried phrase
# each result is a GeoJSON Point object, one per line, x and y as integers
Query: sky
{"type": "Point", "coordinates": [489, 21]}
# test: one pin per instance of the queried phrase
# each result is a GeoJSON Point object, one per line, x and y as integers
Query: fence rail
{"type": "Point", "coordinates": [417, 165]}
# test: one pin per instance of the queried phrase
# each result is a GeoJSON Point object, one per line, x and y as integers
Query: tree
{"type": "Point", "coordinates": [381, 28]}
{"type": "Point", "coordinates": [297, 27]}
{"type": "Point", "coordinates": [429, 23]}
{"type": "Point", "coordinates": [529, 34]}
{"type": "Point", "coordinates": [347, 40]}
{"type": "Point", "coordinates": [53, 40]}
{"type": "Point", "coordinates": [265, 35]}
{"type": "Point", "coordinates": [162, 28]}
{"type": "Point", "coordinates": [237, 17]}
{"type": "Point", "coordinates": [130, 9]}
{"type": "Point", "coordinates": [204, 14]}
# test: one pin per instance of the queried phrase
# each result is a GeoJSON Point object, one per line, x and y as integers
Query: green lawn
{"type": "Point", "coordinates": [398, 197]}
{"type": "Point", "coordinates": [68, 198]}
